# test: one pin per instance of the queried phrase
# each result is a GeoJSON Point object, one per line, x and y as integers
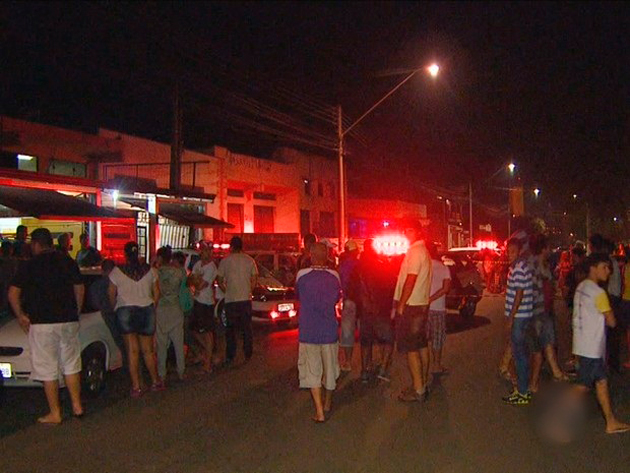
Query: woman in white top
{"type": "Point", "coordinates": [132, 290]}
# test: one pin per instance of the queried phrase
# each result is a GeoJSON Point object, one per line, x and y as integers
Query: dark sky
{"type": "Point", "coordinates": [543, 84]}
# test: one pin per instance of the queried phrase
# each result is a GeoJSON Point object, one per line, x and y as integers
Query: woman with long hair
{"type": "Point", "coordinates": [132, 291]}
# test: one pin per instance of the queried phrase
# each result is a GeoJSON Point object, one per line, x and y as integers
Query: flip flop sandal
{"type": "Point", "coordinates": [620, 430]}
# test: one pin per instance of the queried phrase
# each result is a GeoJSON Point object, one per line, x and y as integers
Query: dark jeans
{"type": "Point", "coordinates": [239, 316]}
{"type": "Point", "coordinates": [521, 353]}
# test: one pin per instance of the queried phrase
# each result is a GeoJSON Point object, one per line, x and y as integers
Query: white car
{"type": "Point", "coordinates": [99, 353]}
{"type": "Point", "coordinates": [272, 302]}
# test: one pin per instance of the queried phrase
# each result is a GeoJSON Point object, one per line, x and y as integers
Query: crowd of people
{"type": "Point", "coordinates": [391, 302]}
{"type": "Point", "coordinates": [147, 308]}
{"type": "Point", "coordinates": [395, 302]}
{"type": "Point", "coordinates": [594, 289]}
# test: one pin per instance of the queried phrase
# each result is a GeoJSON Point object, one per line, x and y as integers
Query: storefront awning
{"type": "Point", "coordinates": [183, 216]}
{"type": "Point", "coordinates": [51, 205]}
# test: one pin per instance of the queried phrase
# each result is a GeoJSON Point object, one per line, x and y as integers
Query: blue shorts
{"type": "Point", "coordinates": [134, 319]}
{"type": "Point", "coordinates": [590, 371]}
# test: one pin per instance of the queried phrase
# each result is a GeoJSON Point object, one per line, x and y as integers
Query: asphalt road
{"type": "Point", "coordinates": [254, 418]}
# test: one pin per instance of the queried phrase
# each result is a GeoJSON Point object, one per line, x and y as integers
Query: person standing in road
{"type": "Point", "coordinates": [592, 312]}
{"type": "Point", "coordinates": [132, 292]}
{"type": "Point", "coordinates": [87, 256]}
{"type": "Point", "coordinates": [347, 266]}
{"type": "Point", "coordinates": [64, 243]}
{"type": "Point", "coordinates": [304, 260]}
{"type": "Point", "coordinates": [238, 276]}
{"type": "Point", "coordinates": [542, 331]}
{"type": "Point", "coordinates": [47, 309]}
{"type": "Point", "coordinates": [519, 308]}
{"type": "Point", "coordinates": [21, 249]}
{"type": "Point", "coordinates": [318, 290]}
{"type": "Point", "coordinates": [169, 315]}
{"type": "Point", "coordinates": [98, 296]}
{"type": "Point", "coordinates": [372, 287]}
{"type": "Point", "coordinates": [440, 285]}
{"type": "Point", "coordinates": [203, 324]}
{"type": "Point", "coordinates": [412, 310]}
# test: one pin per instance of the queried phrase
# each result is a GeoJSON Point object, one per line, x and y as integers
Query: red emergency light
{"type": "Point", "coordinates": [487, 245]}
{"type": "Point", "coordinates": [391, 245]}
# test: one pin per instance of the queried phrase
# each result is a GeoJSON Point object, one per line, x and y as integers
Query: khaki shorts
{"type": "Point", "coordinates": [55, 350]}
{"type": "Point", "coordinates": [318, 365]}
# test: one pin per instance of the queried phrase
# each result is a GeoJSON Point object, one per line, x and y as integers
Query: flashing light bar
{"type": "Point", "coordinates": [391, 245]}
{"type": "Point", "coordinates": [487, 244]}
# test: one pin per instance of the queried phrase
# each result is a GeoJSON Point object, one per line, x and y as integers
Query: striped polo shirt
{"type": "Point", "coordinates": [521, 276]}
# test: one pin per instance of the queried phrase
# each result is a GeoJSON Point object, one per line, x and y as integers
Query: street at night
{"type": "Point", "coordinates": [290, 237]}
{"type": "Point", "coordinates": [254, 418]}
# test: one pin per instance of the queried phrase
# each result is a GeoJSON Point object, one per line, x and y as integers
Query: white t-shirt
{"type": "Point", "coordinates": [589, 324]}
{"type": "Point", "coordinates": [130, 292]}
{"type": "Point", "coordinates": [237, 270]}
{"type": "Point", "coordinates": [417, 261]}
{"type": "Point", "coordinates": [208, 273]}
{"type": "Point", "coordinates": [439, 273]}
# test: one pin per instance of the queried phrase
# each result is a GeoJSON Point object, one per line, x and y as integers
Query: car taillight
{"type": "Point", "coordinates": [274, 314]}
{"type": "Point", "coordinates": [292, 313]}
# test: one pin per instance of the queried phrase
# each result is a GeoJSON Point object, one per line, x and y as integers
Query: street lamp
{"type": "Point", "coordinates": [537, 192]}
{"type": "Point", "coordinates": [511, 167]}
{"type": "Point", "coordinates": [433, 71]}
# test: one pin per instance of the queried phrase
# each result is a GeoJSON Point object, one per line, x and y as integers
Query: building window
{"type": "Point", "coordinates": [320, 189]}
{"type": "Point", "coordinates": [26, 162]}
{"type": "Point", "coordinates": [307, 186]}
{"type": "Point", "coordinates": [66, 168]}
{"type": "Point", "coordinates": [305, 222]}
{"type": "Point", "coordinates": [264, 196]}
{"type": "Point", "coordinates": [263, 219]}
{"type": "Point", "coordinates": [235, 193]}
{"type": "Point", "coordinates": [23, 162]}
{"type": "Point", "coordinates": [235, 214]}
{"type": "Point", "coordinates": [332, 190]}
{"type": "Point", "coordinates": [327, 224]}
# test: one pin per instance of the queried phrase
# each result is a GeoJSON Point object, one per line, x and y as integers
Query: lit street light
{"type": "Point", "coordinates": [537, 192]}
{"type": "Point", "coordinates": [433, 71]}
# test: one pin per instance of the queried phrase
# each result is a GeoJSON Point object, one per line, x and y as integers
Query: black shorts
{"type": "Point", "coordinates": [411, 328]}
{"type": "Point", "coordinates": [590, 371]}
{"type": "Point", "coordinates": [202, 319]}
{"type": "Point", "coordinates": [376, 329]}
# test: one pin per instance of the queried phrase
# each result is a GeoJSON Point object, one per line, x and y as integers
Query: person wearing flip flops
{"type": "Point", "coordinates": [436, 329]}
{"type": "Point", "coordinates": [318, 289]}
{"type": "Point", "coordinates": [542, 332]}
{"type": "Point", "coordinates": [412, 310]}
{"type": "Point", "coordinates": [48, 309]}
{"type": "Point", "coordinates": [592, 312]}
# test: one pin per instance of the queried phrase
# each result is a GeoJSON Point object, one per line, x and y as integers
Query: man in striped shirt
{"type": "Point", "coordinates": [519, 308]}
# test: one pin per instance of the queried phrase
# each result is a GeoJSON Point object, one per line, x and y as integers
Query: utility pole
{"type": "Point", "coordinates": [470, 213]}
{"type": "Point", "coordinates": [176, 143]}
{"type": "Point", "coordinates": [342, 181]}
